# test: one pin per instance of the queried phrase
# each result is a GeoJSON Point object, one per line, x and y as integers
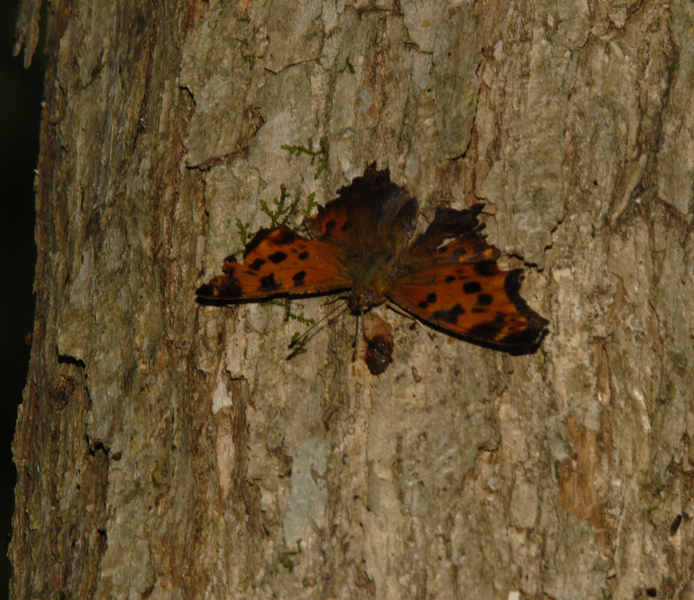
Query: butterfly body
{"type": "Point", "coordinates": [361, 242]}
{"type": "Point", "coordinates": [370, 282]}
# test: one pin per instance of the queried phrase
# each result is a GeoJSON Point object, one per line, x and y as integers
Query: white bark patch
{"type": "Point", "coordinates": [221, 398]}
{"type": "Point", "coordinates": [309, 492]}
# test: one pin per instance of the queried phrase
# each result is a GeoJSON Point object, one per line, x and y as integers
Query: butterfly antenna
{"type": "Point", "coordinates": [299, 341]}
{"type": "Point", "coordinates": [337, 298]}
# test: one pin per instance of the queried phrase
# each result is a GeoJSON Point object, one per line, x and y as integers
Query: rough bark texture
{"type": "Point", "coordinates": [168, 450]}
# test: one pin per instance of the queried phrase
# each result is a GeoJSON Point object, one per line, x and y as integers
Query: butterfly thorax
{"type": "Point", "coordinates": [369, 282]}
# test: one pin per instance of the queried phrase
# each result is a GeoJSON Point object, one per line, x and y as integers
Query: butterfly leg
{"type": "Point", "coordinates": [404, 313]}
{"type": "Point", "coordinates": [300, 340]}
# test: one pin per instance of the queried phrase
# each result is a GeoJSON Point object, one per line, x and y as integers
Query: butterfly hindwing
{"type": "Point", "coordinates": [279, 261]}
{"type": "Point", "coordinates": [477, 301]}
{"type": "Point", "coordinates": [371, 211]}
{"type": "Point", "coordinates": [453, 236]}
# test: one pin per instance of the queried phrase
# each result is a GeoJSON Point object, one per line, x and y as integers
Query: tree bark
{"type": "Point", "coordinates": [169, 450]}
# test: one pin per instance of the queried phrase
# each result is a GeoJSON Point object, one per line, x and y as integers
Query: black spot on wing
{"type": "Point", "coordinates": [484, 299]}
{"type": "Point", "coordinates": [479, 311]}
{"type": "Point", "coordinates": [486, 268]}
{"type": "Point", "coordinates": [450, 279]}
{"type": "Point", "coordinates": [347, 226]}
{"type": "Point", "coordinates": [329, 226]}
{"type": "Point", "coordinates": [299, 278]}
{"type": "Point", "coordinates": [206, 291]}
{"type": "Point", "coordinates": [431, 299]}
{"type": "Point", "coordinates": [256, 264]}
{"type": "Point", "coordinates": [268, 283]}
{"type": "Point", "coordinates": [472, 287]}
{"type": "Point", "coordinates": [448, 316]}
{"type": "Point", "coordinates": [303, 255]}
{"type": "Point", "coordinates": [277, 257]}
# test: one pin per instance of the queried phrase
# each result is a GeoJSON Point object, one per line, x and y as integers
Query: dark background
{"type": "Point", "coordinates": [20, 111]}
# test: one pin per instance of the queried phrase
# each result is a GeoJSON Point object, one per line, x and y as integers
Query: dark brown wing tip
{"type": "Point", "coordinates": [220, 289]}
{"type": "Point", "coordinates": [371, 177]}
{"type": "Point", "coordinates": [204, 290]}
{"type": "Point", "coordinates": [205, 295]}
{"type": "Point", "coordinates": [526, 341]}
{"type": "Point", "coordinates": [457, 222]}
{"type": "Point", "coordinates": [372, 172]}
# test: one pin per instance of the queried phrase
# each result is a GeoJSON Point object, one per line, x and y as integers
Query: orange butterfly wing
{"type": "Point", "coordinates": [344, 232]}
{"type": "Point", "coordinates": [449, 278]}
{"type": "Point", "coordinates": [279, 261]}
{"type": "Point", "coordinates": [477, 301]}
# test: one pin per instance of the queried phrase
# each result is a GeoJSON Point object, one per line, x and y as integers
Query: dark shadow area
{"type": "Point", "coordinates": [20, 112]}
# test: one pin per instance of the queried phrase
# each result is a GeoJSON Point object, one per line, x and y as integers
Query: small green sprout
{"type": "Point", "coordinates": [285, 556]}
{"type": "Point", "coordinates": [245, 232]}
{"type": "Point", "coordinates": [348, 68]}
{"type": "Point", "coordinates": [281, 214]}
{"type": "Point", "coordinates": [321, 154]}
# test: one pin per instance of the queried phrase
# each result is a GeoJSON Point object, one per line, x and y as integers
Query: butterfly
{"type": "Point", "coordinates": [361, 243]}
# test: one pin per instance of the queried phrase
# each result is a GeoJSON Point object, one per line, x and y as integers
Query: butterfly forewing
{"type": "Point", "coordinates": [453, 236]}
{"type": "Point", "coordinates": [476, 301]}
{"type": "Point", "coordinates": [279, 261]}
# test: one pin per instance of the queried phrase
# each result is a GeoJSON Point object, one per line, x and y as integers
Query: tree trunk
{"type": "Point", "coordinates": [169, 450]}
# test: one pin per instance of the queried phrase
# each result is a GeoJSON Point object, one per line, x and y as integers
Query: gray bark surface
{"type": "Point", "coordinates": [169, 450]}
